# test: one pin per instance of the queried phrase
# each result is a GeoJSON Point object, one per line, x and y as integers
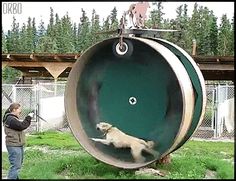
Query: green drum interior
{"type": "Point", "coordinates": [139, 94]}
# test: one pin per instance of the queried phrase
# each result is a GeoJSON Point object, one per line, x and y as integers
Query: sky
{"type": "Point", "coordinates": [41, 10]}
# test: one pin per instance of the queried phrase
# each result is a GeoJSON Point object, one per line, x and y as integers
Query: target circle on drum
{"type": "Point", "coordinates": [132, 100]}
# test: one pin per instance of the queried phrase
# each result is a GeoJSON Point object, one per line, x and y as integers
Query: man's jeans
{"type": "Point", "coordinates": [15, 155]}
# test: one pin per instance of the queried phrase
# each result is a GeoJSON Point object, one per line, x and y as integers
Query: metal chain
{"type": "Point", "coordinates": [122, 27]}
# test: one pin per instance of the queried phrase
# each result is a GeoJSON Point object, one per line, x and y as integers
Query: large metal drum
{"type": "Point", "coordinates": [153, 91]}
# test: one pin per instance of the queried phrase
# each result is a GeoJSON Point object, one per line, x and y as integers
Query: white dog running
{"type": "Point", "coordinates": [121, 140]}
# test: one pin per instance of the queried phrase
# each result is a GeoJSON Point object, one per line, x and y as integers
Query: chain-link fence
{"type": "Point", "coordinates": [31, 97]}
{"type": "Point", "coordinates": [206, 128]}
{"type": "Point", "coordinates": [213, 125]}
{"type": "Point", "coordinates": [224, 94]}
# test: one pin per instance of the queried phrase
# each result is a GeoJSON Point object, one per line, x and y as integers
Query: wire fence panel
{"type": "Point", "coordinates": [51, 95]}
{"type": "Point", "coordinates": [7, 95]}
{"type": "Point", "coordinates": [224, 94]}
{"type": "Point", "coordinates": [213, 126]}
{"type": "Point", "coordinates": [206, 128]}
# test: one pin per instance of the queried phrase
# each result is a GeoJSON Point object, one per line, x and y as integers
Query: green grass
{"type": "Point", "coordinates": [189, 162]}
{"type": "Point", "coordinates": [54, 139]}
{"type": "Point", "coordinates": [194, 157]}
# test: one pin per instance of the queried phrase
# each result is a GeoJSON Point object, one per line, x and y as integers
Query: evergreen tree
{"type": "Point", "coordinates": [95, 27]}
{"type": "Point", "coordinates": [106, 27]}
{"type": "Point", "coordinates": [9, 75]}
{"type": "Point", "coordinates": [114, 21]}
{"type": "Point", "coordinates": [204, 38]}
{"type": "Point", "coordinates": [57, 18]}
{"type": "Point", "coordinates": [58, 34]}
{"type": "Point", "coordinates": [224, 37]}
{"type": "Point", "coordinates": [213, 35]}
{"type": "Point", "coordinates": [200, 29]}
{"type": "Point", "coordinates": [75, 37]}
{"type": "Point", "coordinates": [50, 30]}
{"type": "Point", "coordinates": [180, 26]}
{"type": "Point", "coordinates": [8, 41]}
{"type": "Point", "coordinates": [187, 45]}
{"type": "Point", "coordinates": [41, 29]}
{"type": "Point", "coordinates": [66, 33]}
{"type": "Point", "coordinates": [34, 34]}
{"type": "Point", "coordinates": [13, 38]}
{"type": "Point", "coordinates": [172, 35]}
{"type": "Point", "coordinates": [49, 44]}
{"type": "Point", "coordinates": [166, 25]}
{"type": "Point", "coordinates": [30, 37]}
{"type": "Point", "coordinates": [40, 35]}
{"type": "Point", "coordinates": [46, 45]}
{"type": "Point", "coordinates": [156, 16]}
{"type": "Point", "coordinates": [194, 26]}
{"type": "Point", "coordinates": [231, 46]}
{"type": "Point", "coordinates": [83, 36]}
{"type": "Point", "coordinates": [4, 45]}
{"type": "Point", "coordinates": [23, 39]}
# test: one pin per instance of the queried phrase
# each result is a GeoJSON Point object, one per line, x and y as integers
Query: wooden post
{"type": "Point", "coordinates": [55, 86]}
{"type": "Point", "coordinates": [194, 47]}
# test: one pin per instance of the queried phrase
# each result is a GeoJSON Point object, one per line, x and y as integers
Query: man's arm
{"type": "Point", "coordinates": [18, 125]}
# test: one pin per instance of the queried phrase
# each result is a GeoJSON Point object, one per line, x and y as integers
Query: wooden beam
{"type": "Point", "coordinates": [37, 74]}
{"type": "Point", "coordinates": [77, 56]}
{"type": "Point", "coordinates": [56, 68]}
{"type": "Point", "coordinates": [57, 58]}
{"type": "Point", "coordinates": [194, 47]}
{"type": "Point", "coordinates": [23, 64]}
{"type": "Point", "coordinates": [221, 67]}
{"type": "Point", "coordinates": [216, 59]}
{"type": "Point", "coordinates": [10, 57]}
{"type": "Point", "coordinates": [33, 57]}
{"type": "Point", "coordinates": [36, 64]}
{"type": "Point", "coordinates": [218, 75]}
{"type": "Point", "coordinates": [43, 74]}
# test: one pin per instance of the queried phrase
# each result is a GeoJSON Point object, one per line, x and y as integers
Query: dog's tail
{"type": "Point", "coordinates": [150, 144]}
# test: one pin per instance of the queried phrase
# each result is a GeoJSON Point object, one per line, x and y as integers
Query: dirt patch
{"type": "Point", "coordinates": [210, 174]}
{"type": "Point", "coordinates": [46, 149]}
{"type": "Point", "coordinates": [150, 171]}
{"type": "Point", "coordinates": [214, 139]}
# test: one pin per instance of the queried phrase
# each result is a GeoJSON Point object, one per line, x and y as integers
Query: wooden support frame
{"type": "Point", "coordinates": [56, 68]}
{"type": "Point", "coordinates": [56, 57]}
{"type": "Point", "coordinates": [194, 47]}
{"type": "Point", "coordinates": [47, 65]}
{"type": "Point", "coordinates": [33, 57]}
{"type": "Point", "coordinates": [10, 57]}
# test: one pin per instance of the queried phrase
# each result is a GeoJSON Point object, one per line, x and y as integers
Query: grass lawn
{"type": "Point", "coordinates": [57, 155]}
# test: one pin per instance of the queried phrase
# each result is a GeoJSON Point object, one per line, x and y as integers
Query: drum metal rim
{"type": "Point", "coordinates": [186, 89]}
{"type": "Point", "coordinates": [72, 114]}
{"type": "Point", "coordinates": [201, 80]}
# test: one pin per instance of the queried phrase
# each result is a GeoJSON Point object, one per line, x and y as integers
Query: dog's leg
{"type": "Point", "coordinates": [137, 155]}
{"type": "Point", "coordinates": [106, 142]}
{"type": "Point", "coordinates": [153, 152]}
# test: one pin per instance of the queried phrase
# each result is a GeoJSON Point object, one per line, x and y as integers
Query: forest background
{"type": "Point", "coordinates": [60, 35]}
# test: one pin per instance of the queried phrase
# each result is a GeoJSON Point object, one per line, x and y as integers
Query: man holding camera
{"type": "Point", "coordinates": [15, 137]}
